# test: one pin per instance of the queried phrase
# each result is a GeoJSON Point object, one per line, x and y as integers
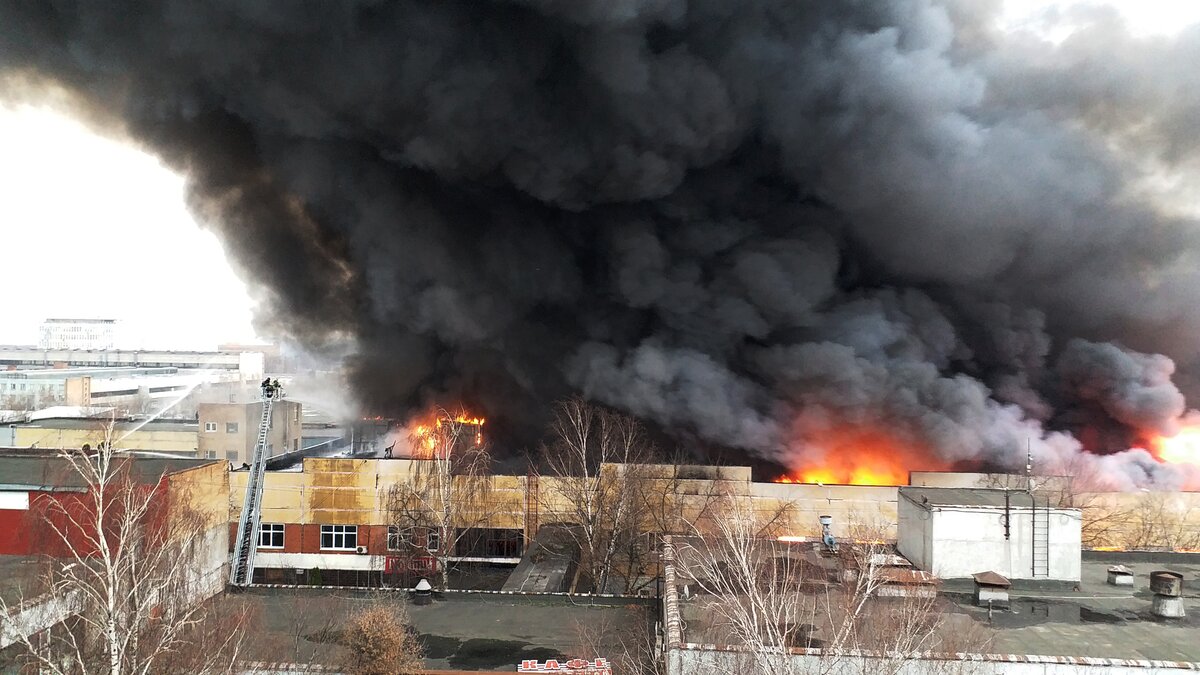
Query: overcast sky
{"type": "Point", "coordinates": [93, 228]}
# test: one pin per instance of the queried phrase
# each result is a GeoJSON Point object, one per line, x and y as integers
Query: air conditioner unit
{"type": "Point", "coordinates": [361, 549]}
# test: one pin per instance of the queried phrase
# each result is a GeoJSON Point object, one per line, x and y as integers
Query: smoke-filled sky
{"type": "Point", "coordinates": [761, 225]}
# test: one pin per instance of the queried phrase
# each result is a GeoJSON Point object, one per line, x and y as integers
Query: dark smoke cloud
{"type": "Point", "coordinates": [749, 222]}
{"type": "Point", "coordinates": [1134, 389]}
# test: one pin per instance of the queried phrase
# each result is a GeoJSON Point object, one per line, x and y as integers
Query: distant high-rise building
{"type": "Point", "coordinates": [77, 334]}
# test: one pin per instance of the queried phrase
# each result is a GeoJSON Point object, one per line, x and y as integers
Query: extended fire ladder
{"type": "Point", "coordinates": [241, 571]}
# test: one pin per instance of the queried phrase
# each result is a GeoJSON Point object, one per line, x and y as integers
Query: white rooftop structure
{"type": "Point", "coordinates": [958, 532]}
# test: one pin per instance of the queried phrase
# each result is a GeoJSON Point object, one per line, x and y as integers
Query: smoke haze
{"type": "Point", "coordinates": [752, 223]}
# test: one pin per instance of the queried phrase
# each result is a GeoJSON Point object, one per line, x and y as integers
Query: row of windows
{"type": "Point", "coordinates": [230, 427]}
{"type": "Point", "coordinates": [345, 537]}
{"type": "Point", "coordinates": [21, 387]}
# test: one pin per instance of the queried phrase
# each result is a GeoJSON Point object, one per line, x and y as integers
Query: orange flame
{"type": "Point", "coordinates": [1182, 448]}
{"type": "Point", "coordinates": [861, 457]}
{"type": "Point", "coordinates": [429, 436]}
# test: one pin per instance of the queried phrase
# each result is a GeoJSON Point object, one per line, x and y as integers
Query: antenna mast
{"type": "Point", "coordinates": [1029, 465]}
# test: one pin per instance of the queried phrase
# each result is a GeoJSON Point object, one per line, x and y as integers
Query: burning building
{"type": "Point", "coordinates": [762, 226]}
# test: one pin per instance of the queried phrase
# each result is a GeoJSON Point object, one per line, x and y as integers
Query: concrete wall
{"type": "Point", "coordinates": [967, 541]}
{"type": "Point", "coordinates": [36, 615]}
{"type": "Point", "coordinates": [956, 542]}
{"type": "Point", "coordinates": [700, 661]}
{"type": "Point", "coordinates": [914, 534]}
{"type": "Point", "coordinates": [859, 511]}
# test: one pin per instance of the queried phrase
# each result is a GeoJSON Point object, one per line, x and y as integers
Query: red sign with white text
{"type": "Point", "coordinates": [574, 666]}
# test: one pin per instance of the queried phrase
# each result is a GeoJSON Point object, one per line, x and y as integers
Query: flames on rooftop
{"type": "Point", "coordinates": [437, 433]}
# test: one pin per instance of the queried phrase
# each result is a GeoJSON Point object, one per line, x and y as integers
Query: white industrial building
{"type": "Point", "coordinates": [77, 334]}
{"type": "Point", "coordinates": [957, 532]}
{"type": "Point", "coordinates": [122, 386]}
{"type": "Point", "coordinates": [248, 364]}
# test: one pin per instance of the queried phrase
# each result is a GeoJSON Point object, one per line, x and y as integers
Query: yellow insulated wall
{"type": "Point", "coordinates": [336, 491]}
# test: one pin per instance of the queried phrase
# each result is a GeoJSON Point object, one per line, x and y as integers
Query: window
{"type": "Point", "coordinates": [270, 535]}
{"type": "Point", "coordinates": [433, 540]}
{"type": "Point", "coordinates": [339, 537]}
{"type": "Point", "coordinates": [211, 454]}
{"type": "Point", "coordinates": [399, 539]}
{"type": "Point", "coordinates": [483, 542]}
{"type": "Point", "coordinates": [231, 455]}
{"type": "Point", "coordinates": [210, 426]}
{"type": "Point", "coordinates": [231, 427]}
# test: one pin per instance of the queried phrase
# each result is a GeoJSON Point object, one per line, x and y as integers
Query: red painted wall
{"type": "Point", "coordinates": [37, 531]}
{"type": "Point", "coordinates": [306, 538]}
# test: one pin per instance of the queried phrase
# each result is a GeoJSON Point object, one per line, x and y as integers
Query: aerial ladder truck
{"type": "Point", "coordinates": [241, 568]}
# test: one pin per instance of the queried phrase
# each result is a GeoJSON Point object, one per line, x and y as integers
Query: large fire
{"type": "Point", "coordinates": [859, 457]}
{"type": "Point", "coordinates": [1182, 448]}
{"type": "Point", "coordinates": [440, 435]}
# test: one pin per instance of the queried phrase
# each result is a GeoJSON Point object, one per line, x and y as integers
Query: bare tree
{"type": "Point", "coordinates": [770, 596]}
{"type": "Point", "coordinates": [447, 493]}
{"type": "Point", "coordinates": [597, 459]}
{"type": "Point", "coordinates": [126, 556]}
{"type": "Point", "coordinates": [1154, 522]}
{"type": "Point", "coordinates": [627, 642]}
{"type": "Point", "coordinates": [378, 640]}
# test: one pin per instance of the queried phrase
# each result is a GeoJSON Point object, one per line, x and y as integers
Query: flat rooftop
{"type": "Point", "coordinates": [481, 632]}
{"type": "Point", "coordinates": [1094, 621]}
{"type": "Point", "coordinates": [1098, 620]}
{"type": "Point", "coordinates": [951, 496]}
{"type": "Point", "coordinates": [97, 424]}
{"type": "Point", "coordinates": [54, 473]}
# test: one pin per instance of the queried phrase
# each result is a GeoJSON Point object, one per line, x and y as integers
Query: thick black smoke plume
{"type": "Point", "coordinates": [753, 223]}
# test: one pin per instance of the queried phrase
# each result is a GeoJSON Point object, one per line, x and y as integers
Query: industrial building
{"type": "Point", "coordinates": [248, 364]}
{"type": "Point", "coordinates": [346, 498]}
{"type": "Point", "coordinates": [172, 436]}
{"type": "Point", "coordinates": [134, 389]}
{"type": "Point", "coordinates": [329, 522]}
{"type": "Point", "coordinates": [34, 488]}
{"type": "Point", "coordinates": [90, 334]}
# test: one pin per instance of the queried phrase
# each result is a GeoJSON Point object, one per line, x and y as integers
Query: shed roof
{"type": "Point", "coordinates": [991, 579]}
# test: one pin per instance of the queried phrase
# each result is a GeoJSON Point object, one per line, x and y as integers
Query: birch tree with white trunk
{"type": "Point", "coordinates": [122, 553]}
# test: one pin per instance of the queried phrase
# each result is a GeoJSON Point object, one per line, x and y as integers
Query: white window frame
{"type": "Point", "coordinates": [267, 531]}
{"type": "Point", "coordinates": [339, 534]}
{"type": "Point", "coordinates": [433, 540]}
{"type": "Point", "coordinates": [210, 427]}
{"type": "Point", "coordinates": [399, 538]}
